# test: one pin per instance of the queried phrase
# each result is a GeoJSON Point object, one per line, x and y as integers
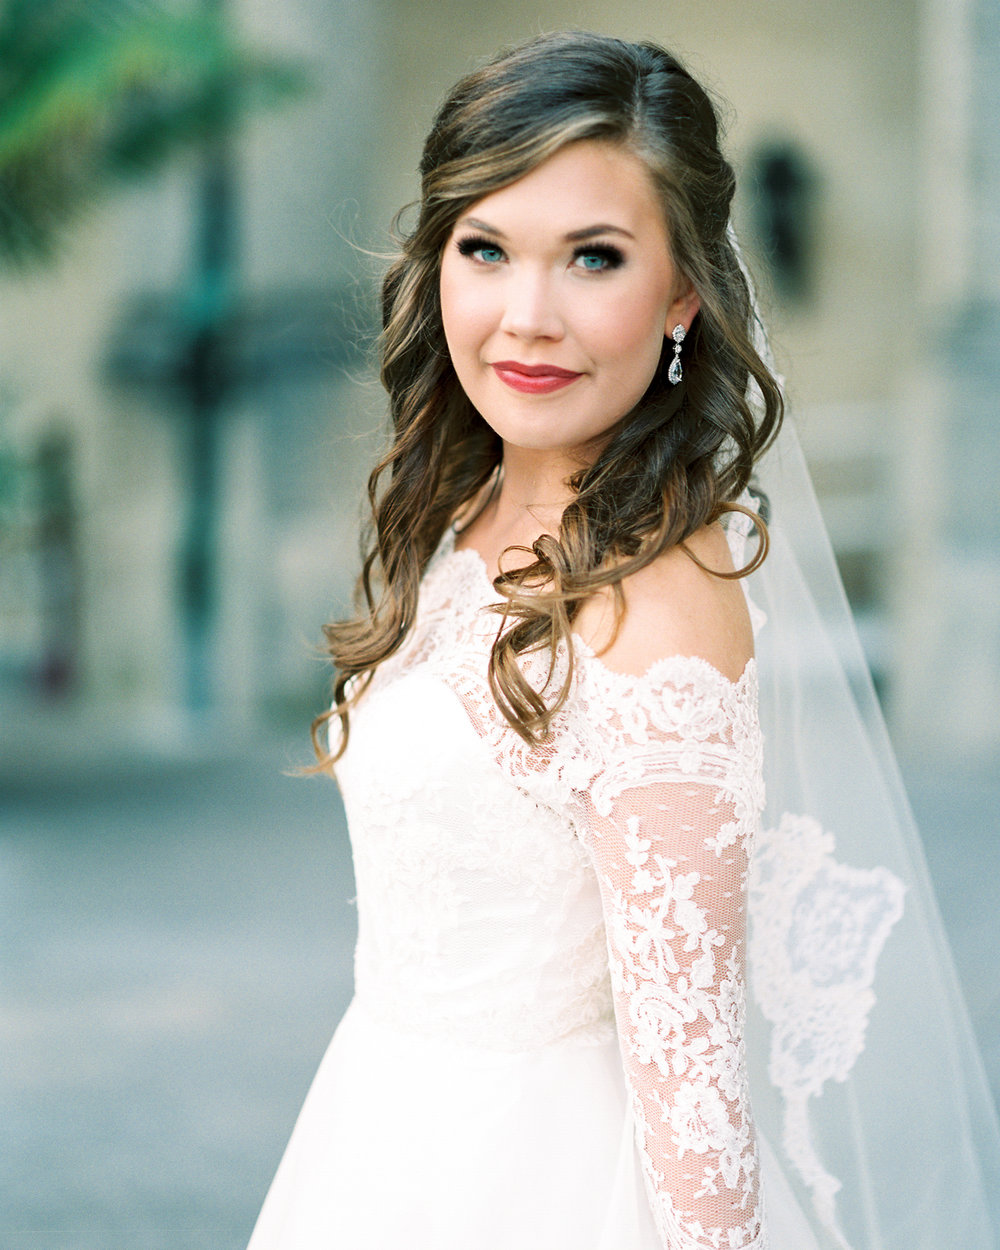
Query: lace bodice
{"type": "Point", "coordinates": [511, 896]}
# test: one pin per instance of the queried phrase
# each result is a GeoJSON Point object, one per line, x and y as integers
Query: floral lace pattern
{"type": "Point", "coordinates": [670, 828]}
{"type": "Point", "coordinates": [472, 900]}
{"type": "Point", "coordinates": [818, 929]}
{"type": "Point", "coordinates": [607, 867]}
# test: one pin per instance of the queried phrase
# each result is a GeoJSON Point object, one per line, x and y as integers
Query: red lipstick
{"type": "Point", "coordinates": [533, 379]}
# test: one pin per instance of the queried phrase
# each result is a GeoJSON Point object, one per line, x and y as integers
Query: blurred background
{"type": "Point", "coordinates": [194, 199]}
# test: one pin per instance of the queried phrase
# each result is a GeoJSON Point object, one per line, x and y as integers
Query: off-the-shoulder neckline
{"type": "Point", "coordinates": [662, 669]}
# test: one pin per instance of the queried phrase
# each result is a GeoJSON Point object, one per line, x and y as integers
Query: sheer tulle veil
{"type": "Point", "coordinates": [865, 1073]}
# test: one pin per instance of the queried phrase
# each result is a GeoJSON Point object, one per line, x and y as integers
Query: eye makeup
{"type": "Point", "coordinates": [608, 256]}
{"type": "Point", "coordinates": [472, 243]}
{"type": "Point", "coordinates": [611, 257]}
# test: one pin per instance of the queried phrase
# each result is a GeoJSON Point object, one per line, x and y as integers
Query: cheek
{"type": "Point", "coordinates": [632, 332]}
{"type": "Point", "coordinates": [464, 313]}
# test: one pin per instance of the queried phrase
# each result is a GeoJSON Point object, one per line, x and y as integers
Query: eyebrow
{"type": "Point", "coordinates": [574, 236]}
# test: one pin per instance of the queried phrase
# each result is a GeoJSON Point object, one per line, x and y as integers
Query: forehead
{"type": "Point", "coordinates": [584, 184]}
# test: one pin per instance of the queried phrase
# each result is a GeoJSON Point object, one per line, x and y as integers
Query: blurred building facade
{"type": "Point", "coordinates": [863, 135]}
{"type": "Point", "coordinates": [88, 349]}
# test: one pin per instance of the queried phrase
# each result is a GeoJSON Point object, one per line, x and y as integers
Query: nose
{"type": "Point", "coordinates": [530, 306]}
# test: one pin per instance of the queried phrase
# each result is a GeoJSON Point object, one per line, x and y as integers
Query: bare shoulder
{"type": "Point", "coordinates": [673, 607]}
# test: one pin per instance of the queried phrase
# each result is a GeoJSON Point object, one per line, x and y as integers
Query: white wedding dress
{"type": "Point", "coordinates": [545, 1048]}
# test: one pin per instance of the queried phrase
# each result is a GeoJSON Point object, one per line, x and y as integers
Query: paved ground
{"type": "Point", "coordinates": [176, 934]}
{"type": "Point", "coordinates": [176, 942]}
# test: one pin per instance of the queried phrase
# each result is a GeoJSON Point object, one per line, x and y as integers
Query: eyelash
{"type": "Point", "coordinates": [612, 257]}
{"type": "Point", "coordinates": [474, 243]}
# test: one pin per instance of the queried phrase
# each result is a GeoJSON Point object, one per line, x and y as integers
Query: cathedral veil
{"type": "Point", "coordinates": [865, 1072]}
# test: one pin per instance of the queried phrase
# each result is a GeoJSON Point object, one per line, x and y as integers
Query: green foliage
{"type": "Point", "coordinates": [96, 91]}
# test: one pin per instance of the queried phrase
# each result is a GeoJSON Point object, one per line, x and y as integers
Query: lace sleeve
{"type": "Point", "coordinates": [669, 821]}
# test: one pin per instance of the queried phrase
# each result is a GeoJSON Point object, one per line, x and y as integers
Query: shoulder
{"type": "Point", "coordinates": [674, 607]}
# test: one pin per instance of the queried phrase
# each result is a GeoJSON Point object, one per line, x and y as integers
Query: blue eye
{"type": "Point", "coordinates": [482, 250]}
{"type": "Point", "coordinates": [597, 259]}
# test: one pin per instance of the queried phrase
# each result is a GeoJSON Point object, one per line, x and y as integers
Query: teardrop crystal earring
{"type": "Point", "coordinates": [676, 370]}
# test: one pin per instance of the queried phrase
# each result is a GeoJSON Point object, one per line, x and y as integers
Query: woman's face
{"type": "Point", "coordinates": [556, 294]}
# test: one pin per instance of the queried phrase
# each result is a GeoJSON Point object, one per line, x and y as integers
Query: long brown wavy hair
{"type": "Point", "coordinates": [679, 460]}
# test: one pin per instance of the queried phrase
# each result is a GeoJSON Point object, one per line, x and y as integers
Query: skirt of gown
{"type": "Point", "coordinates": [413, 1141]}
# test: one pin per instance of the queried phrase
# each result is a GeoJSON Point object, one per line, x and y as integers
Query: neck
{"type": "Point", "coordinates": [532, 493]}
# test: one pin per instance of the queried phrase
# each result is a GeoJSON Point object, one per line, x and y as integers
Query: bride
{"type": "Point", "coordinates": [548, 734]}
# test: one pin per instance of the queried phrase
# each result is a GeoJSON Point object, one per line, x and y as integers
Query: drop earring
{"type": "Point", "coordinates": [676, 371]}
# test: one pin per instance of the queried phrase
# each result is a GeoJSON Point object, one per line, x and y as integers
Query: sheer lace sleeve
{"type": "Point", "coordinates": [669, 820]}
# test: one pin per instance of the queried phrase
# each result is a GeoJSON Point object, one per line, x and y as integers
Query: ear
{"type": "Point", "coordinates": [684, 308]}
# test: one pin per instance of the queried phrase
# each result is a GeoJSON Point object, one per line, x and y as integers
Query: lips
{"type": "Point", "coordinates": [533, 379]}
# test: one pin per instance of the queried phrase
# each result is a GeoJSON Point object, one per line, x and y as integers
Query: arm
{"type": "Point", "coordinates": [671, 859]}
{"type": "Point", "coordinates": [669, 821]}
